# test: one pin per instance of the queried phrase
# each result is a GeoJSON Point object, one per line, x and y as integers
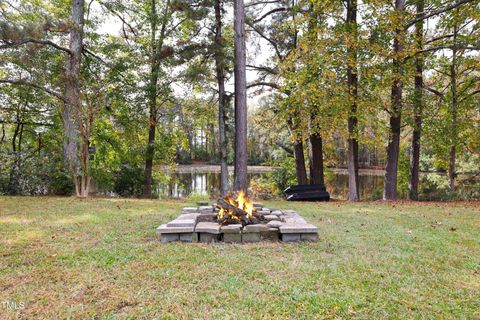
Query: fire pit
{"type": "Point", "coordinates": [237, 220]}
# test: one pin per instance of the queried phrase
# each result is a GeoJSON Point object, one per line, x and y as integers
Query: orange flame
{"type": "Point", "coordinates": [240, 202]}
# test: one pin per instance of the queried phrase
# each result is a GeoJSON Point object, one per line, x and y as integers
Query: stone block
{"type": "Point", "coordinates": [271, 234]}
{"type": "Point", "coordinates": [208, 227]}
{"type": "Point", "coordinates": [252, 228]}
{"type": "Point", "coordinates": [231, 228]}
{"type": "Point", "coordinates": [291, 237]}
{"type": "Point", "coordinates": [270, 217]}
{"type": "Point", "coordinates": [202, 203]}
{"type": "Point", "coordinates": [164, 229]}
{"type": "Point", "coordinates": [190, 209]}
{"type": "Point", "coordinates": [295, 220]}
{"type": "Point", "coordinates": [309, 236]}
{"type": "Point", "coordinates": [206, 237]}
{"type": "Point", "coordinates": [276, 213]}
{"type": "Point", "coordinates": [298, 228]}
{"type": "Point", "coordinates": [205, 209]}
{"type": "Point", "coordinates": [258, 205]}
{"type": "Point", "coordinates": [274, 224]}
{"type": "Point", "coordinates": [188, 237]}
{"type": "Point", "coordinates": [206, 217]}
{"type": "Point", "coordinates": [264, 212]}
{"type": "Point", "coordinates": [180, 222]}
{"type": "Point", "coordinates": [232, 237]}
{"type": "Point", "coordinates": [169, 237]}
{"type": "Point", "coordinates": [188, 215]}
{"type": "Point", "coordinates": [251, 237]}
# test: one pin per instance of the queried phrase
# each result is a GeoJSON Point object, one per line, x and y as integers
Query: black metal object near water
{"type": "Point", "coordinates": [307, 192]}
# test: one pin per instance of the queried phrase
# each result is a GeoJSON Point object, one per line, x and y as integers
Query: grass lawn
{"type": "Point", "coordinates": [100, 258]}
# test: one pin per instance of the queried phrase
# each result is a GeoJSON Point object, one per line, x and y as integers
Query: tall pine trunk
{"type": "Point", "coordinates": [417, 106]}
{"type": "Point", "coordinates": [452, 166]}
{"type": "Point", "coordinates": [393, 147]}
{"type": "Point", "coordinates": [72, 144]}
{"type": "Point", "coordinates": [241, 154]}
{"type": "Point", "coordinates": [352, 79]}
{"type": "Point", "coordinates": [220, 70]}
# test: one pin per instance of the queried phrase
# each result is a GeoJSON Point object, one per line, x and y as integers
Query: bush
{"type": "Point", "coordinates": [273, 184]}
{"type": "Point", "coordinates": [128, 181]}
{"type": "Point", "coordinates": [61, 183]}
{"type": "Point", "coordinates": [284, 175]}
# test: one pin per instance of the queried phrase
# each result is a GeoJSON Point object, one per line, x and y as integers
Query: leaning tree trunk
{"type": "Point", "coordinates": [417, 106]}
{"type": "Point", "coordinates": [241, 154]}
{"type": "Point", "coordinates": [393, 147]}
{"type": "Point", "coordinates": [300, 169]}
{"type": "Point", "coordinates": [72, 108]}
{"type": "Point", "coordinates": [298, 152]}
{"type": "Point", "coordinates": [220, 70]}
{"type": "Point", "coordinates": [452, 166]}
{"type": "Point", "coordinates": [352, 79]}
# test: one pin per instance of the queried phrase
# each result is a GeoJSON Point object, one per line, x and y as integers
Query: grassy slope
{"type": "Point", "coordinates": [100, 258]}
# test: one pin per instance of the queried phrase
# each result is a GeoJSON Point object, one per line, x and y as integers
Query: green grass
{"type": "Point", "coordinates": [100, 258]}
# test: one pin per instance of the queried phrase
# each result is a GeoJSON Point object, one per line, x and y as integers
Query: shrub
{"type": "Point", "coordinates": [128, 181]}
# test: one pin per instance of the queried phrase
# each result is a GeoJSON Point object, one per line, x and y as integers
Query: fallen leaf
{"type": "Point", "coordinates": [436, 224]}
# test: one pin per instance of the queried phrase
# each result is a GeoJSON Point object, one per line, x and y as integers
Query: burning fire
{"type": "Point", "coordinates": [228, 210]}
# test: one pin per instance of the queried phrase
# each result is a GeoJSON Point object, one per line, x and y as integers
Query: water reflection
{"type": "Point", "coordinates": [182, 185]}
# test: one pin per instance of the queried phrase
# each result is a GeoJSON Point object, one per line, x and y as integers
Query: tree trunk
{"type": "Point", "coordinates": [220, 70]}
{"type": "Point", "coordinates": [241, 154]}
{"type": "Point", "coordinates": [13, 188]}
{"type": "Point", "coordinates": [298, 152]}
{"type": "Point", "coordinates": [156, 48]}
{"type": "Point", "coordinates": [452, 170]}
{"type": "Point", "coordinates": [72, 108]}
{"type": "Point", "coordinates": [300, 169]}
{"type": "Point", "coordinates": [417, 107]}
{"type": "Point", "coordinates": [352, 79]}
{"type": "Point", "coordinates": [298, 148]}
{"type": "Point", "coordinates": [393, 147]}
{"type": "Point", "coordinates": [316, 159]}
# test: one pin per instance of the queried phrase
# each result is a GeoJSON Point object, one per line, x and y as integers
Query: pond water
{"type": "Point", "coordinates": [184, 184]}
